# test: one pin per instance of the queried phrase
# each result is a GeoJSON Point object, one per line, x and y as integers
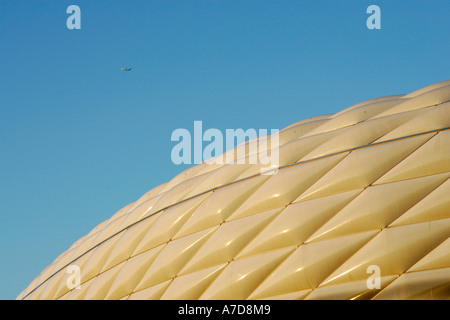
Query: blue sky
{"type": "Point", "coordinates": [80, 139]}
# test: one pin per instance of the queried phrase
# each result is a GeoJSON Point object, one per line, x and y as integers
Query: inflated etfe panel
{"type": "Point", "coordinates": [359, 209]}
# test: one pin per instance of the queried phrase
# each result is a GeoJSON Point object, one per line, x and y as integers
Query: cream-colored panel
{"type": "Point", "coordinates": [99, 227]}
{"type": "Point", "coordinates": [38, 283]}
{"type": "Point", "coordinates": [169, 222]}
{"type": "Point", "coordinates": [365, 112]}
{"type": "Point", "coordinates": [67, 274]}
{"type": "Point", "coordinates": [126, 209]}
{"type": "Point", "coordinates": [362, 134]}
{"type": "Point", "coordinates": [349, 290]}
{"type": "Point", "coordinates": [264, 158]}
{"type": "Point", "coordinates": [299, 295]}
{"type": "Point", "coordinates": [297, 222]}
{"type": "Point", "coordinates": [63, 260]}
{"type": "Point", "coordinates": [151, 194]}
{"type": "Point", "coordinates": [132, 273]}
{"type": "Point", "coordinates": [87, 244]}
{"type": "Point", "coordinates": [98, 258]}
{"type": "Point", "coordinates": [152, 293]}
{"type": "Point", "coordinates": [35, 294]}
{"type": "Point", "coordinates": [51, 285]}
{"type": "Point", "coordinates": [254, 170]}
{"type": "Point", "coordinates": [284, 186]}
{"type": "Point", "coordinates": [439, 257]}
{"type": "Point", "coordinates": [428, 88]}
{"type": "Point", "coordinates": [72, 249]}
{"type": "Point", "coordinates": [242, 276]}
{"type": "Point", "coordinates": [323, 118]}
{"type": "Point", "coordinates": [434, 118]}
{"type": "Point", "coordinates": [102, 283]}
{"type": "Point", "coordinates": [58, 263]}
{"type": "Point", "coordinates": [426, 99]}
{"type": "Point", "coordinates": [250, 147]}
{"type": "Point", "coordinates": [233, 155]}
{"type": "Point", "coordinates": [226, 174]}
{"type": "Point", "coordinates": [432, 158]}
{"type": "Point", "coordinates": [228, 240]}
{"type": "Point", "coordinates": [356, 115]}
{"type": "Point", "coordinates": [173, 258]}
{"type": "Point", "coordinates": [128, 241]}
{"type": "Point", "coordinates": [208, 168]}
{"type": "Point", "coordinates": [367, 212]}
{"type": "Point", "coordinates": [425, 285]}
{"type": "Point", "coordinates": [298, 149]}
{"type": "Point", "coordinates": [75, 244]}
{"type": "Point", "coordinates": [263, 143]}
{"type": "Point", "coordinates": [432, 207]}
{"type": "Point", "coordinates": [139, 212]}
{"type": "Point", "coordinates": [78, 294]}
{"type": "Point", "coordinates": [192, 285]}
{"type": "Point", "coordinates": [176, 194]}
{"type": "Point", "coordinates": [32, 288]}
{"type": "Point", "coordinates": [109, 230]}
{"type": "Point", "coordinates": [289, 153]}
{"type": "Point", "coordinates": [394, 250]}
{"type": "Point", "coordinates": [195, 170]}
{"type": "Point", "coordinates": [310, 264]}
{"type": "Point", "coordinates": [220, 205]}
{"type": "Point", "coordinates": [63, 297]}
{"type": "Point", "coordinates": [294, 132]}
{"type": "Point", "coordinates": [363, 166]}
{"type": "Point", "coordinates": [387, 99]}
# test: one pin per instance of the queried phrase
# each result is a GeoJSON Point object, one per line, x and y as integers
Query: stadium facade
{"type": "Point", "coordinates": [358, 209]}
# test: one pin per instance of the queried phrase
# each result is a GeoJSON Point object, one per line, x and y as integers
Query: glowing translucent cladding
{"type": "Point", "coordinates": [359, 209]}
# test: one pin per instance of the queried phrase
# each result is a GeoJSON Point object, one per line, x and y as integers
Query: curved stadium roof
{"type": "Point", "coordinates": [366, 186]}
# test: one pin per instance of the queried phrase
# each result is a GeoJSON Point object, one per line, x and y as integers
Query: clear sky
{"type": "Point", "coordinates": [80, 138]}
